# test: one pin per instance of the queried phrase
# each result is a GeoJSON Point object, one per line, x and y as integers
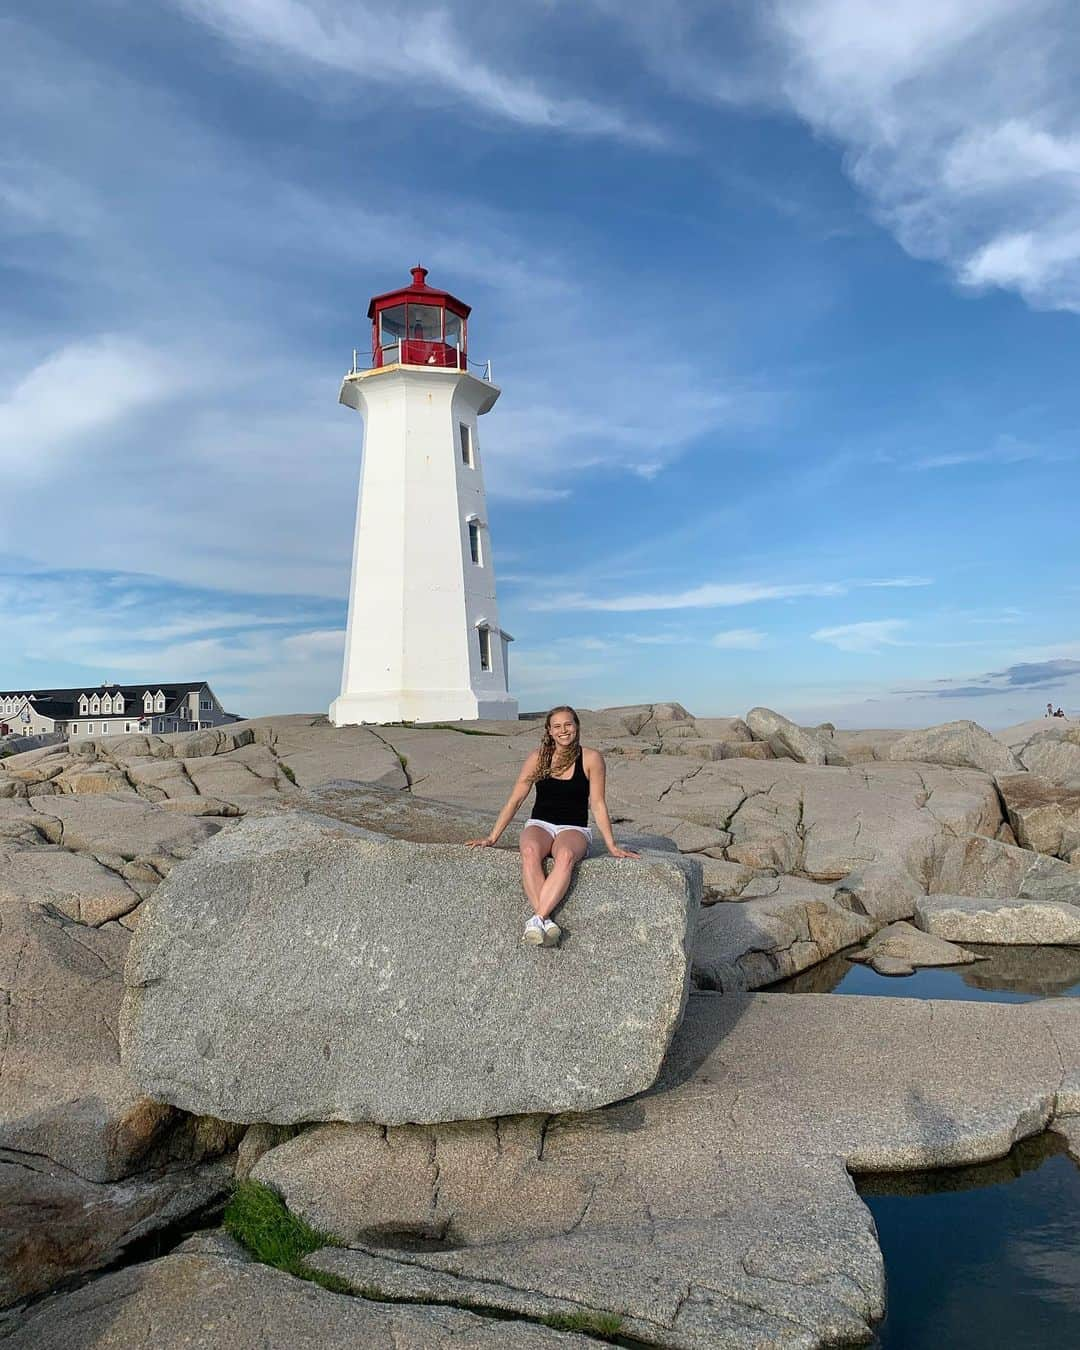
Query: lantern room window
{"type": "Point", "coordinates": [425, 323]}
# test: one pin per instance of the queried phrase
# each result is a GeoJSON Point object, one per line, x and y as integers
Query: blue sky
{"type": "Point", "coordinates": [783, 297]}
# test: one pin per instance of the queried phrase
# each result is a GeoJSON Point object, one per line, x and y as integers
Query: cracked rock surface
{"type": "Point", "coordinates": [217, 1297]}
{"type": "Point", "coordinates": [798, 859]}
{"type": "Point", "coordinates": [716, 1209]}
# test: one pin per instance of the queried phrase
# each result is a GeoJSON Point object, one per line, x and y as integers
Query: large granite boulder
{"type": "Point", "coordinates": [960, 745]}
{"type": "Point", "coordinates": [298, 968]}
{"type": "Point", "coordinates": [789, 925]}
{"type": "Point", "coordinates": [974, 865]}
{"type": "Point", "coordinates": [1044, 816]}
{"type": "Point", "coordinates": [787, 740]}
{"type": "Point", "coordinates": [1049, 747]}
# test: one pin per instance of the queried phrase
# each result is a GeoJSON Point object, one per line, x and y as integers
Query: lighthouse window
{"type": "Point", "coordinates": [391, 326]}
{"type": "Point", "coordinates": [485, 648]}
{"type": "Point", "coordinates": [425, 323]}
{"type": "Point", "coordinates": [454, 335]}
{"type": "Point", "coordinates": [465, 435]}
{"type": "Point", "coordinates": [474, 544]}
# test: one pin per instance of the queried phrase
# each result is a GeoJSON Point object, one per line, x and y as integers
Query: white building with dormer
{"type": "Point", "coordinates": [111, 709]}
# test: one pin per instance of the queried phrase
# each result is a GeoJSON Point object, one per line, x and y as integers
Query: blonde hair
{"type": "Point", "coordinates": [552, 760]}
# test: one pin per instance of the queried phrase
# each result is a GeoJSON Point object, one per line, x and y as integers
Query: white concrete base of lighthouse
{"type": "Point", "coordinates": [420, 705]}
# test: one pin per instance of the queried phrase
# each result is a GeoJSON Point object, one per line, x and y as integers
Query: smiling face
{"type": "Point", "coordinates": [562, 726]}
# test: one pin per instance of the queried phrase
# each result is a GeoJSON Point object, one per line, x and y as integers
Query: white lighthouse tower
{"type": "Point", "coordinates": [423, 642]}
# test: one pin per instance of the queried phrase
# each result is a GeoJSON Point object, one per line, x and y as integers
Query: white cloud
{"type": "Point", "coordinates": [716, 595]}
{"type": "Point", "coordinates": [417, 51]}
{"type": "Point", "coordinates": [742, 639]}
{"type": "Point", "coordinates": [959, 119]}
{"type": "Point", "coordinates": [84, 388]}
{"type": "Point", "coordinates": [868, 637]}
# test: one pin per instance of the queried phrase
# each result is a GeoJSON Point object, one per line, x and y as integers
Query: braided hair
{"type": "Point", "coordinates": [553, 760]}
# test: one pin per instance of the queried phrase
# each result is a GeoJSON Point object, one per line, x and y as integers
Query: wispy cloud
{"type": "Point", "coordinates": [715, 595]}
{"type": "Point", "coordinates": [83, 388]}
{"type": "Point", "coordinates": [416, 47]}
{"type": "Point", "coordinates": [868, 637]}
{"type": "Point", "coordinates": [741, 639]}
{"type": "Point", "coordinates": [1006, 451]}
{"type": "Point", "coordinates": [970, 157]}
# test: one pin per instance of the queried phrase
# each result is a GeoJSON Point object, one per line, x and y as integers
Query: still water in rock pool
{"type": "Point", "coordinates": [1008, 975]}
{"type": "Point", "coordinates": [981, 1258]}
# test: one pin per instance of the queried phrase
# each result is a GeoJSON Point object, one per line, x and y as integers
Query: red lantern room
{"type": "Point", "coordinates": [418, 326]}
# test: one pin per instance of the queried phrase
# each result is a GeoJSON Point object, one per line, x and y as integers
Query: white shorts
{"type": "Point", "coordinates": [556, 830]}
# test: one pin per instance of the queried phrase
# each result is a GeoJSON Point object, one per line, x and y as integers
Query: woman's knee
{"type": "Point", "coordinates": [531, 853]}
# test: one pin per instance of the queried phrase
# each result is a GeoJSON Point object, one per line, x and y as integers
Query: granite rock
{"type": "Point", "coordinates": [214, 1298]}
{"type": "Point", "coordinates": [901, 948]}
{"type": "Point", "coordinates": [283, 935]}
{"type": "Point", "coordinates": [961, 918]}
{"type": "Point", "coordinates": [785, 738]}
{"type": "Point", "coordinates": [961, 745]}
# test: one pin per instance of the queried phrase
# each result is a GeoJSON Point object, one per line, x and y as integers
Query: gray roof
{"type": "Point", "coordinates": [63, 703]}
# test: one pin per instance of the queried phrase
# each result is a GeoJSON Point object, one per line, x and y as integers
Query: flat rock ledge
{"type": "Point", "coordinates": [962, 918]}
{"type": "Point", "coordinates": [301, 969]}
{"type": "Point", "coordinates": [718, 1208]}
{"type": "Point", "coordinates": [203, 1299]}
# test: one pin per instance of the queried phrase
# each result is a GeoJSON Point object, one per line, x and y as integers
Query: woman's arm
{"type": "Point", "coordinates": [519, 792]}
{"type": "Point", "coordinates": [597, 772]}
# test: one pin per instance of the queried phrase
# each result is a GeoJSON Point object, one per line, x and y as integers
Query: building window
{"type": "Point", "coordinates": [474, 543]}
{"type": "Point", "coordinates": [160, 707]}
{"type": "Point", "coordinates": [206, 705]}
{"type": "Point", "coordinates": [127, 726]}
{"type": "Point", "coordinates": [75, 729]}
{"type": "Point", "coordinates": [89, 728]}
{"type": "Point", "coordinates": [485, 646]}
{"type": "Point", "coordinates": [465, 434]}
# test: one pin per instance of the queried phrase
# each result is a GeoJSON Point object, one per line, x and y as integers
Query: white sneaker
{"type": "Point", "coordinates": [534, 933]}
{"type": "Point", "coordinates": [552, 933]}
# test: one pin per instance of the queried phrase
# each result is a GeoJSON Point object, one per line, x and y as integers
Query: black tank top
{"type": "Point", "coordinates": [563, 801]}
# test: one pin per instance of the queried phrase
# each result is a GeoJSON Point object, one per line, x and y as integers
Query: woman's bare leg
{"type": "Point", "coordinates": [567, 850]}
{"type": "Point", "coordinates": [535, 844]}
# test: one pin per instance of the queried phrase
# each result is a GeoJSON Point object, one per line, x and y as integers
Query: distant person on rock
{"type": "Point", "coordinates": [1049, 710]}
{"type": "Point", "coordinates": [1060, 712]}
{"type": "Point", "coordinates": [568, 779]}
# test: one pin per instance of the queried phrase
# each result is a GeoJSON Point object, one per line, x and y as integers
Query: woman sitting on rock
{"type": "Point", "coordinates": [568, 779]}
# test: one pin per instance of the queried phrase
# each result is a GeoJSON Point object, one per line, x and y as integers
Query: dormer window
{"type": "Point", "coordinates": [84, 707]}
{"type": "Point", "coordinates": [95, 704]}
{"type": "Point", "coordinates": [159, 702]}
{"type": "Point", "coordinates": [106, 704]}
{"type": "Point", "coordinates": [118, 703]}
{"type": "Point", "coordinates": [148, 701]}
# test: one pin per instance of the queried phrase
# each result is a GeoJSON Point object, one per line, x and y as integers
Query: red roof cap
{"type": "Point", "coordinates": [419, 292]}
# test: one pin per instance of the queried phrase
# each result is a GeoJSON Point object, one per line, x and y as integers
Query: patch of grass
{"type": "Point", "coordinates": [599, 1324]}
{"type": "Point", "coordinates": [261, 1221]}
{"type": "Point", "coordinates": [288, 773]}
{"type": "Point", "coordinates": [403, 760]}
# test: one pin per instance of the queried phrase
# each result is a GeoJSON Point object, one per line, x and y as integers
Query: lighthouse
{"type": "Point", "coordinates": [423, 643]}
